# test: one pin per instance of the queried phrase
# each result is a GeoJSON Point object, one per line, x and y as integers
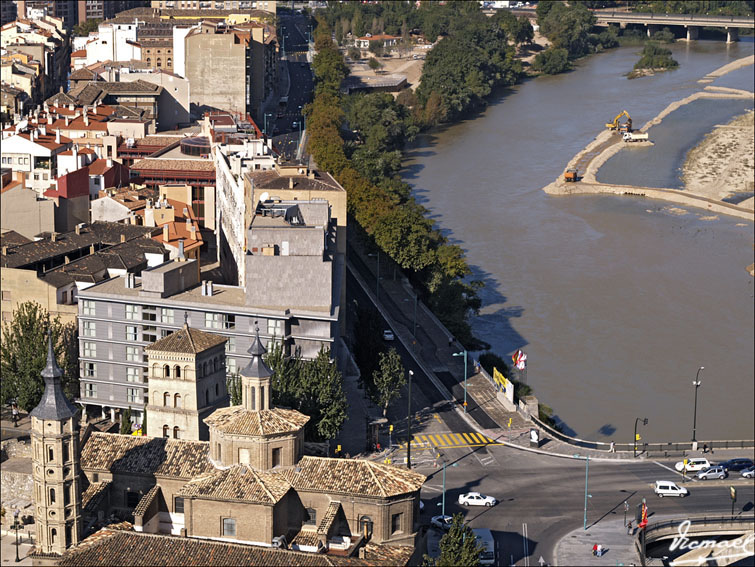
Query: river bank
{"type": "Point", "coordinates": [721, 168]}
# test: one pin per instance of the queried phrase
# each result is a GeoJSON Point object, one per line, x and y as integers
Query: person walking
{"type": "Point", "coordinates": [613, 447]}
{"type": "Point", "coordinates": [14, 411]}
{"type": "Point", "coordinates": [629, 528]}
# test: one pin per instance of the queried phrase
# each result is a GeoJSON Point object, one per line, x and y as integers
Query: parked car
{"type": "Point", "coordinates": [693, 465]}
{"type": "Point", "coordinates": [736, 464]}
{"type": "Point", "coordinates": [388, 335]}
{"type": "Point", "coordinates": [713, 472]}
{"type": "Point", "coordinates": [442, 522]}
{"type": "Point", "coordinates": [476, 499]}
{"type": "Point", "coordinates": [668, 488]}
{"type": "Point", "coordinates": [749, 472]}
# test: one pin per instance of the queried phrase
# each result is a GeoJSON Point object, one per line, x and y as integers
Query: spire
{"type": "Point", "coordinates": [54, 404]}
{"type": "Point", "coordinates": [257, 367]}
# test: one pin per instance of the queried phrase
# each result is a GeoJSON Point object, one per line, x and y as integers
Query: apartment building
{"type": "Point", "coordinates": [264, 5]}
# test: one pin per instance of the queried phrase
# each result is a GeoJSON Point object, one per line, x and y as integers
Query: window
{"type": "Point", "coordinates": [149, 313]}
{"type": "Point", "coordinates": [159, 62]}
{"type": "Point", "coordinates": [166, 315]}
{"type": "Point", "coordinates": [131, 332]}
{"type": "Point", "coordinates": [175, 432]}
{"type": "Point", "coordinates": [275, 327]}
{"type": "Point", "coordinates": [217, 389]}
{"type": "Point", "coordinates": [36, 177]}
{"type": "Point", "coordinates": [133, 374]}
{"type": "Point", "coordinates": [276, 457]}
{"type": "Point", "coordinates": [132, 499]}
{"type": "Point", "coordinates": [90, 349]}
{"type": "Point", "coordinates": [213, 320]}
{"type": "Point", "coordinates": [132, 353]}
{"type": "Point", "coordinates": [311, 517]}
{"type": "Point", "coordinates": [65, 452]}
{"type": "Point", "coordinates": [6, 296]}
{"type": "Point", "coordinates": [230, 367]}
{"type": "Point", "coordinates": [97, 181]}
{"type": "Point", "coordinates": [90, 369]}
{"type": "Point", "coordinates": [229, 321]}
{"type": "Point", "coordinates": [87, 307]}
{"type": "Point", "coordinates": [165, 430]}
{"type": "Point", "coordinates": [132, 312]}
{"type": "Point", "coordinates": [90, 390]}
{"type": "Point", "coordinates": [166, 399]}
{"type": "Point", "coordinates": [365, 526]}
{"type": "Point", "coordinates": [90, 329]}
{"type": "Point", "coordinates": [177, 371]}
{"type": "Point", "coordinates": [165, 332]}
{"type": "Point", "coordinates": [170, 62]}
{"type": "Point", "coordinates": [52, 496]}
{"type": "Point", "coordinates": [53, 532]}
{"type": "Point", "coordinates": [178, 506]}
{"type": "Point", "coordinates": [66, 495]}
{"type": "Point", "coordinates": [64, 297]}
{"type": "Point", "coordinates": [149, 333]}
{"type": "Point", "coordinates": [396, 523]}
{"type": "Point", "coordinates": [132, 395]}
{"type": "Point", "coordinates": [229, 527]}
{"type": "Point", "coordinates": [177, 401]}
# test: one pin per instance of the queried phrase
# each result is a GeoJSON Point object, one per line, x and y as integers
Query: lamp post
{"type": "Point", "coordinates": [409, 425]}
{"type": "Point", "coordinates": [443, 498]}
{"type": "Point", "coordinates": [696, 384]}
{"type": "Point", "coordinates": [301, 119]}
{"type": "Point", "coordinates": [587, 472]}
{"type": "Point", "coordinates": [15, 525]}
{"type": "Point", "coordinates": [464, 354]}
{"type": "Point", "coordinates": [644, 421]}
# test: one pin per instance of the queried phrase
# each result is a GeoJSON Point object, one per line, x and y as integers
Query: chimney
{"type": "Point", "coordinates": [193, 232]}
{"type": "Point", "coordinates": [86, 119]}
{"type": "Point", "coordinates": [130, 281]}
{"type": "Point", "coordinates": [181, 255]}
{"type": "Point", "coordinates": [53, 236]}
{"type": "Point", "coordinates": [188, 223]}
{"type": "Point", "coordinates": [31, 135]}
{"type": "Point", "coordinates": [210, 291]}
{"type": "Point", "coordinates": [78, 229]}
{"type": "Point", "coordinates": [166, 231]}
{"type": "Point", "coordinates": [91, 249]}
{"type": "Point", "coordinates": [290, 182]}
{"type": "Point", "coordinates": [123, 238]}
{"type": "Point", "coordinates": [109, 162]}
{"type": "Point", "coordinates": [43, 129]}
{"type": "Point", "coordinates": [149, 203]}
{"type": "Point", "coordinates": [5, 250]}
{"type": "Point", "coordinates": [67, 121]}
{"type": "Point", "coordinates": [67, 259]}
{"type": "Point", "coordinates": [57, 136]}
{"type": "Point", "coordinates": [70, 105]}
{"type": "Point", "coordinates": [75, 152]}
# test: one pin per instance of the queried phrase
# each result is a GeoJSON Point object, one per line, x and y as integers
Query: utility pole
{"type": "Point", "coordinates": [587, 471]}
{"type": "Point", "coordinates": [696, 384]}
{"type": "Point", "coordinates": [464, 354]}
{"type": "Point", "coordinates": [409, 426]}
{"type": "Point", "coordinates": [644, 422]}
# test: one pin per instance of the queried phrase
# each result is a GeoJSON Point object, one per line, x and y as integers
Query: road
{"type": "Point", "coordinates": [545, 493]}
{"type": "Point", "coordinates": [288, 119]}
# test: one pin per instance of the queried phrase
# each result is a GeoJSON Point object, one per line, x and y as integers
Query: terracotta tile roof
{"type": "Point", "coordinates": [83, 74]}
{"type": "Point", "coordinates": [174, 165]}
{"type": "Point", "coordinates": [47, 140]}
{"type": "Point", "coordinates": [375, 553]}
{"type": "Point", "coordinates": [240, 482]}
{"type": "Point", "coordinates": [92, 496]}
{"type": "Point", "coordinates": [353, 477]}
{"type": "Point", "coordinates": [96, 123]}
{"type": "Point", "coordinates": [79, 53]}
{"type": "Point", "coordinates": [187, 340]}
{"type": "Point", "coordinates": [146, 455]}
{"type": "Point", "coordinates": [100, 167]}
{"type": "Point", "coordinates": [378, 37]}
{"type": "Point", "coordinates": [146, 500]}
{"type": "Point", "coordinates": [327, 520]}
{"type": "Point", "coordinates": [307, 537]}
{"type": "Point", "coordinates": [60, 99]}
{"type": "Point", "coordinates": [110, 547]}
{"type": "Point", "coordinates": [238, 420]}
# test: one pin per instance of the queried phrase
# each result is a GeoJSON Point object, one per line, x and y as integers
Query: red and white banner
{"type": "Point", "coordinates": [520, 359]}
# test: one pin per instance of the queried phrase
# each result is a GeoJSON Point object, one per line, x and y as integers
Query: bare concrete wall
{"type": "Point", "coordinates": [291, 281]}
{"type": "Point", "coordinates": [216, 69]}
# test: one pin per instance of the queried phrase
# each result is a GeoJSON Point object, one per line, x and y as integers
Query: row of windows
{"type": "Point", "coordinates": [176, 432]}
{"type": "Point", "coordinates": [133, 395]}
{"type": "Point", "coordinates": [19, 161]}
{"type": "Point", "coordinates": [165, 399]}
{"type": "Point", "coordinates": [159, 62]}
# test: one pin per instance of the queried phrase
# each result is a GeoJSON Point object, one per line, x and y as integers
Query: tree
{"type": "Point", "coordinates": [377, 47]}
{"type": "Point", "coordinates": [233, 384]}
{"type": "Point", "coordinates": [86, 28]}
{"type": "Point", "coordinates": [458, 547]}
{"type": "Point", "coordinates": [126, 422]}
{"type": "Point", "coordinates": [656, 57]}
{"type": "Point", "coordinates": [23, 355]}
{"type": "Point", "coordinates": [374, 64]}
{"type": "Point", "coordinates": [552, 61]}
{"type": "Point", "coordinates": [388, 379]}
{"type": "Point", "coordinates": [354, 53]}
{"type": "Point", "coordinates": [324, 383]}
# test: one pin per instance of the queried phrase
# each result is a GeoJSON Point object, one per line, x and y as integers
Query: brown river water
{"type": "Point", "coordinates": [617, 301]}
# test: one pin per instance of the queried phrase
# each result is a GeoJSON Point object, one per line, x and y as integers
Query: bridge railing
{"type": "Point", "coordinates": [643, 17]}
{"type": "Point", "coordinates": [724, 521]}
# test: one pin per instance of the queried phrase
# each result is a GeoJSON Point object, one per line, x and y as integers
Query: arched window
{"type": "Point", "coordinates": [166, 399]}
{"type": "Point", "coordinates": [365, 526]}
{"type": "Point", "coordinates": [159, 62]}
{"type": "Point", "coordinates": [204, 368]}
{"type": "Point", "coordinates": [166, 371]}
{"type": "Point", "coordinates": [53, 535]}
{"type": "Point", "coordinates": [170, 62]}
{"type": "Point", "coordinates": [207, 397]}
{"type": "Point", "coordinates": [165, 430]}
{"type": "Point", "coordinates": [50, 454]}
{"type": "Point", "coordinates": [149, 61]}
{"type": "Point", "coordinates": [175, 432]}
{"type": "Point", "coordinates": [52, 496]}
{"type": "Point", "coordinates": [217, 364]}
{"type": "Point", "coordinates": [177, 401]}
{"type": "Point", "coordinates": [253, 397]}
{"type": "Point", "coordinates": [217, 390]}
{"type": "Point", "coordinates": [177, 371]}
{"type": "Point", "coordinates": [154, 370]}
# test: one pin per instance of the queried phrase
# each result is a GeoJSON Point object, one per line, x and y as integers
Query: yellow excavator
{"type": "Point", "coordinates": [626, 127]}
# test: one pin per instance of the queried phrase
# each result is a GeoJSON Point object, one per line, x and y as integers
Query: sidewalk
{"type": "Point", "coordinates": [575, 548]}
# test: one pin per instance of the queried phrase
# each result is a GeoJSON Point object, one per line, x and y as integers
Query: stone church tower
{"type": "Point", "coordinates": [186, 383]}
{"type": "Point", "coordinates": [55, 461]}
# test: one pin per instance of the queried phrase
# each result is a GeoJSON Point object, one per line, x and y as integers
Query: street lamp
{"type": "Point", "coordinates": [15, 525]}
{"type": "Point", "coordinates": [696, 384]}
{"type": "Point", "coordinates": [443, 498]}
{"type": "Point", "coordinates": [464, 354]}
{"type": "Point", "coordinates": [587, 472]}
{"type": "Point", "coordinates": [377, 280]}
{"type": "Point", "coordinates": [644, 421]}
{"type": "Point", "coordinates": [265, 118]}
{"type": "Point", "coordinates": [409, 426]}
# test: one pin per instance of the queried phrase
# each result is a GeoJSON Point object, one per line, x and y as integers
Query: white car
{"type": "Point", "coordinates": [442, 522]}
{"type": "Point", "coordinates": [693, 465]}
{"type": "Point", "coordinates": [749, 472]}
{"type": "Point", "coordinates": [668, 488]}
{"type": "Point", "coordinates": [388, 335]}
{"type": "Point", "coordinates": [476, 499]}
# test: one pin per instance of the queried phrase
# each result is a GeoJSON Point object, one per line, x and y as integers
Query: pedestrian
{"type": "Point", "coordinates": [14, 411]}
{"type": "Point", "coordinates": [705, 448]}
{"type": "Point", "coordinates": [613, 447]}
{"type": "Point", "coordinates": [599, 551]}
{"type": "Point", "coordinates": [629, 528]}
{"type": "Point", "coordinates": [595, 549]}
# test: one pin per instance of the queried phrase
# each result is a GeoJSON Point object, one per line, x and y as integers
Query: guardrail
{"type": "Point", "coordinates": [644, 17]}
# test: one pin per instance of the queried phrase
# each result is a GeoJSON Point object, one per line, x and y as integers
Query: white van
{"type": "Point", "coordinates": [668, 488]}
{"type": "Point", "coordinates": [485, 537]}
{"type": "Point", "coordinates": [693, 465]}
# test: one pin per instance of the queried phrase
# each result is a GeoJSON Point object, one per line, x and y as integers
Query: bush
{"type": "Point", "coordinates": [354, 53]}
{"type": "Point", "coordinates": [656, 57]}
{"type": "Point", "coordinates": [664, 36]}
{"type": "Point", "coordinates": [552, 61]}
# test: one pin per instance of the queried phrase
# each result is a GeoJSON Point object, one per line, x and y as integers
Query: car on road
{"type": "Point", "coordinates": [713, 472]}
{"type": "Point", "coordinates": [476, 499]}
{"type": "Point", "coordinates": [748, 472]}
{"type": "Point", "coordinates": [388, 335]}
{"type": "Point", "coordinates": [667, 488]}
{"type": "Point", "coordinates": [736, 465]}
{"type": "Point", "coordinates": [442, 522]}
{"type": "Point", "coordinates": [693, 465]}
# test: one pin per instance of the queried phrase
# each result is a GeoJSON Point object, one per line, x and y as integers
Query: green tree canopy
{"type": "Point", "coordinates": [84, 29]}
{"type": "Point", "coordinates": [388, 379]}
{"type": "Point", "coordinates": [552, 61]}
{"type": "Point", "coordinates": [458, 547]}
{"type": "Point", "coordinates": [23, 355]}
{"type": "Point", "coordinates": [126, 422]}
{"type": "Point", "coordinates": [656, 57]}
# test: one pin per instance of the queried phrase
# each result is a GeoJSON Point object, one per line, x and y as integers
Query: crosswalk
{"type": "Point", "coordinates": [450, 440]}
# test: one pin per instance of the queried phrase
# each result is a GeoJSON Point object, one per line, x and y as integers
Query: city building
{"type": "Point", "coordinates": [368, 40]}
{"type": "Point", "coordinates": [229, 5]}
{"type": "Point", "coordinates": [36, 9]}
{"type": "Point", "coordinates": [33, 153]}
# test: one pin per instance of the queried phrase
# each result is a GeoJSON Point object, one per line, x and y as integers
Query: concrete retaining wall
{"type": "Point", "coordinates": [16, 486]}
{"type": "Point", "coordinates": [14, 448]}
